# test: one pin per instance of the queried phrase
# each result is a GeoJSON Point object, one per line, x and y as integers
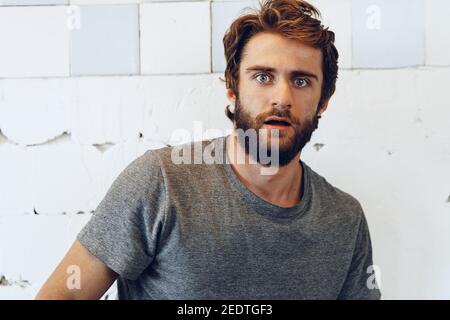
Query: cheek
{"type": "Point", "coordinates": [305, 106]}
{"type": "Point", "coordinates": [304, 114]}
{"type": "Point", "coordinates": [255, 102]}
{"type": "Point", "coordinates": [309, 97]}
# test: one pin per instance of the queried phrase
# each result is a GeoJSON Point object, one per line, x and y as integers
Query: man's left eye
{"type": "Point", "coordinates": [301, 82]}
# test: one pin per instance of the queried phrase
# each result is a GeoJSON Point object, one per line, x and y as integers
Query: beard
{"type": "Point", "coordinates": [290, 141]}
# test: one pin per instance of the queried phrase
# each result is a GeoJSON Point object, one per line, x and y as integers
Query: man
{"type": "Point", "coordinates": [225, 230]}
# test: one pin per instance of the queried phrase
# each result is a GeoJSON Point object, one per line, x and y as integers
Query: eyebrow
{"type": "Point", "coordinates": [294, 73]}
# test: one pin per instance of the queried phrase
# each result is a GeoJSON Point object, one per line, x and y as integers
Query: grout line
{"type": "Point", "coordinates": [210, 37]}
{"type": "Point", "coordinates": [139, 39]}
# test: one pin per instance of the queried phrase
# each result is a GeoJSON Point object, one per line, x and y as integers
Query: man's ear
{"type": "Point", "coordinates": [230, 95]}
{"type": "Point", "coordinates": [323, 107]}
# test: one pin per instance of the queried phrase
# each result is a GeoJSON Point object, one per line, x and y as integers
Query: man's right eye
{"type": "Point", "coordinates": [262, 77]}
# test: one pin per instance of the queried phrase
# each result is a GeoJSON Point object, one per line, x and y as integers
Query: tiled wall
{"type": "Point", "coordinates": [86, 86]}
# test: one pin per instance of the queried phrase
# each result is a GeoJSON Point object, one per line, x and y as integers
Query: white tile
{"type": "Point", "coordinates": [378, 108]}
{"type": "Point", "coordinates": [434, 114]}
{"type": "Point", "coordinates": [34, 111]}
{"type": "Point", "coordinates": [66, 177]}
{"type": "Point", "coordinates": [31, 247]}
{"type": "Point", "coordinates": [107, 41]}
{"type": "Point", "coordinates": [148, 1]}
{"type": "Point", "coordinates": [77, 2]}
{"type": "Point", "coordinates": [437, 39]}
{"type": "Point", "coordinates": [31, 2]}
{"type": "Point", "coordinates": [105, 109]}
{"type": "Point", "coordinates": [35, 41]}
{"type": "Point", "coordinates": [15, 186]}
{"type": "Point", "coordinates": [337, 16]}
{"type": "Point", "coordinates": [222, 15]}
{"type": "Point", "coordinates": [173, 105]}
{"type": "Point", "coordinates": [382, 107]}
{"type": "Point", "coordinates": [388, 33]}
{"type": "Point", "coordinates": [175, 38]}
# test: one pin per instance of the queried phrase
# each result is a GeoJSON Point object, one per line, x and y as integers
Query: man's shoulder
{"type": "Point", "coordinates": [186, 168]}
{"type": "Point", "coordinates": [169, 154]}
{"type": "Point", "coordinates": [140, 174]}
{"type": "Point", "coordinates": [187, 156]}
{"type": "Point", "coordinates": [341, 200]}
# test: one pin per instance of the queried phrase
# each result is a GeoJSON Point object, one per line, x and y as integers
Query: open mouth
{"type": "Point", "coordinates": [277, 123]}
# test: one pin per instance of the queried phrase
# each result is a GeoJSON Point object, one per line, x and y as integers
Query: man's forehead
{"type": "Point", "coordinates": [281, 54]}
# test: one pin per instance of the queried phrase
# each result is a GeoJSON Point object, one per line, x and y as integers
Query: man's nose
{"type": "Point", "coordinates": [282, 98]}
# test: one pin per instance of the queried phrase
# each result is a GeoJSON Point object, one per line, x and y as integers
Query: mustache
{"type": "Point", "coordinates": [277, 113]}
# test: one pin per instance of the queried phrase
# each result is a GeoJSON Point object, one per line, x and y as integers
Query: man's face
{"type": "Point", "coordinates": [279, 77]}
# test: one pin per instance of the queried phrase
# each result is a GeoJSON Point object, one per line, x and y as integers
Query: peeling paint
{"type": "Point", "coordinates": [103, 147]}
{"type": "Point", "coordinates": [2, 137]}
{"type": "Point", "coordinates": [63, 136]}
{"type": "Point", "coordinates": [318, 146]}
{"type": "Point", "coordinates": [21, 283]}
{"type": "Point", "coordinates": [4, 281]}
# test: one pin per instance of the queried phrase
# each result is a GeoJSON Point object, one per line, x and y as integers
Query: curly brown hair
{"type": "Point", "coordinates": [293, 19]}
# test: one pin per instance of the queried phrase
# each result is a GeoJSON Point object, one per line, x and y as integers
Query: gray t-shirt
{"type": "Point", "coordinates": [195, 231]}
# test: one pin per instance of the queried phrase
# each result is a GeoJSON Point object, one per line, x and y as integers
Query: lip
{"type": "Point", "coordinates": [276, 126]}
{"type": "Point", "coordinates": [276, 119]}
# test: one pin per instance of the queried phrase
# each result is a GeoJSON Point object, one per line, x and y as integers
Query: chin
{"type": "Point", "coordinates": [285, 141]}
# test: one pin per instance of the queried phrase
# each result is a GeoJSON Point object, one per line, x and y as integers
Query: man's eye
{"type": "Point", "coordinates": [262, 77]}
{"type": "Point", "coordinates": [300, 82]}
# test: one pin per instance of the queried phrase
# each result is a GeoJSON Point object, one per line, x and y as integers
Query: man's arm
{"type": "Point", "coordinates": [360, 284]}
{"type": "Point", "coordinates": [119, 239]}
{"type": "Point", "coordinates": [95, 277]}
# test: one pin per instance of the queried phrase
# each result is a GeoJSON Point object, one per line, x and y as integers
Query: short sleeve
{"type": "Point", "coordinates": [124, 229]}
{"type": "Point", "coordinates": [360, 283]}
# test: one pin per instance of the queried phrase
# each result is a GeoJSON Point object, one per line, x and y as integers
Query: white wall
{"type": "Point", "coordinates": [87, 86]}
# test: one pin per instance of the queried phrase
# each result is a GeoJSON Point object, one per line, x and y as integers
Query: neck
{"type": "Point", "coordinates": [281, 188]}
